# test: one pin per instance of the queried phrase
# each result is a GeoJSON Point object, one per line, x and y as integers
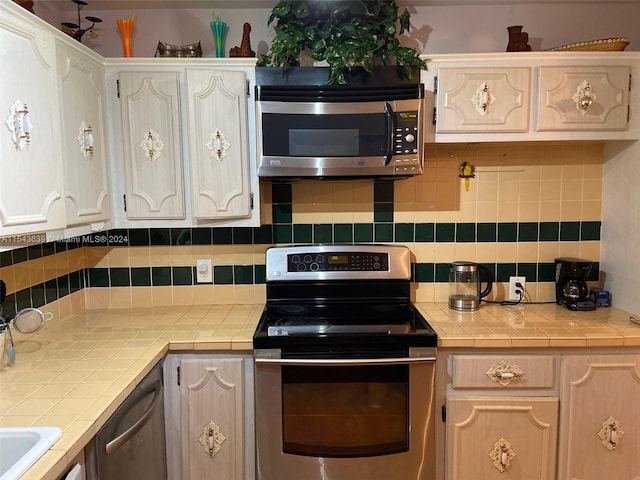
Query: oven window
{"type": "Point", "coordinates": [345, 411]}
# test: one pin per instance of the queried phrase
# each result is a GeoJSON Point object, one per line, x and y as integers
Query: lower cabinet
{"type": "Point", "coordinates": [539, 415]}
{"type": "Point", "coordinates": [495, 438]}
{"type": "Point", "coordinates": [600, 418]}
{"type": "Point", "coordinates": [77, 470]}
{"type": "Point", "coordinates": [209, 416]}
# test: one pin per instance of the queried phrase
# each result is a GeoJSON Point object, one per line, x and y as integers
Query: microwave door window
{"type": "Point", "coordinates": [306, 142]}
{"type": "Point", "coordinates": [324, 135]}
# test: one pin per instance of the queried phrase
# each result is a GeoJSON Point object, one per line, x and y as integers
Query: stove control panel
{"type": "Point", "coordinates": [338, 262]}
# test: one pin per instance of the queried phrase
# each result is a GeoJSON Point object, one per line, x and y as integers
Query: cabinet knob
{"type": "Point", "coordinates": [211, 438]}
{"type": "Point", "coordinates": [483, 99]}
{"type": "Point", "coordinates": [502, 454]}
{"type": "Point", "coordinates": [584, 97]}
{"type": "Point", "coordinates": [610, 433]}
{"type": "Point", "coordinates": [505, 373]}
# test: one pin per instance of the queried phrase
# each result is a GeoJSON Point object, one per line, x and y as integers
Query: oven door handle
{"type": "Point", "coordinates": [327, 362]}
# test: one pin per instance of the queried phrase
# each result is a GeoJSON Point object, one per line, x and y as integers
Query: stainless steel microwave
{"type": "Point", "coordinates": [362, 130]}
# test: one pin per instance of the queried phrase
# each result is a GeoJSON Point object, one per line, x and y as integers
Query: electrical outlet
{"type": "Point", "coordinates": [513, 295]}
{"type": "Point", "coordinates": [204, 272]}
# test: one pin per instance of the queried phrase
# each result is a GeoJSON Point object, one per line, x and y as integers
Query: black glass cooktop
{"type": "Point", "coordinates": [353, 323]}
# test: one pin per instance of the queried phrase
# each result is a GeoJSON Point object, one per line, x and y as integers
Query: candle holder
{"type": "Point", "coordinates": [125, 25]}
{"type": "Point", "coordinates": [219, 29]}
{"type": "Point", "coordinates": [74, 29]}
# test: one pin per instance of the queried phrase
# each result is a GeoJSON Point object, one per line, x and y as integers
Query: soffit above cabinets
{"type": "Point", "coordinates": [216, 4]}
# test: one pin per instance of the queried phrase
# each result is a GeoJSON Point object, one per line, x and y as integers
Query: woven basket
{"type": "Point", "coordinates": [603, 45]}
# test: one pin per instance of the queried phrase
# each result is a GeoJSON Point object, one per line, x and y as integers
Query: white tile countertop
{"type": "Point", "coordinates": [76, 371]}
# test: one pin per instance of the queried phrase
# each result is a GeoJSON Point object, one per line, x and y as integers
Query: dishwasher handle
{"type": "Point", "coordinates": [116, 443]}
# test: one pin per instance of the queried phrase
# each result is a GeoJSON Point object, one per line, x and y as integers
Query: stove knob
{"type": "Point", "coordinates": [301, 267]}
{"type": "Point", "coordinates": [295, 259]}
{"type": "Point", "coordinates": [307, 259]}
{"type": "Point", "coordinates": [315, 267]}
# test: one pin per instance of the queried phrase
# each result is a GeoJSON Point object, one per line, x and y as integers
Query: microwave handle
{"type": "Point", "coordinates": [390, 128]}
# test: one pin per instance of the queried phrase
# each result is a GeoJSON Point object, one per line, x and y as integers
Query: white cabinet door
{"type": "Point", "coordinates": [583, 98]}
{"type": "Point", "coordinates": [150, 108]}
{"type": "Point", "coordinates": [31, 175]}
{"type": "Point", "coordinates": [218, 144]}
{"type": "Point", "coordinates": [83, 136]}
{"type": "Point", "coordinates": [483, 100]}
{"type": "Point", "coordinates": [600, 418]}
{"type": "Point", "coordinates": [212, 406]}
{"type": "Point", "coordinates": [493, 438]}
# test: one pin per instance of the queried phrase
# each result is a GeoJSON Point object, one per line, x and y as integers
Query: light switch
{"type": "Point", "coordinates": [204, 272]}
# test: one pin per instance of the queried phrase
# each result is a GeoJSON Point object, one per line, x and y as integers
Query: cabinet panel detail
{"type": "Point", "coordinates": [212, 418]}
{"type": "Point", "coordinates": [600, 417]}
{"type": "Point", "coordinates": [583, 98]}
{"type": "Point", "coordinates": [152, 137]}
{"type": "Point", "coordinates": [495, 438]}
{"type": "Point", "coordinates": [83, 137]}
{"type": "Point", "coordinates": [31, 183]}
{"type": "Point", "coordinates": [483, 99]}
{"type": "Point", "coordinates": [218, 144]}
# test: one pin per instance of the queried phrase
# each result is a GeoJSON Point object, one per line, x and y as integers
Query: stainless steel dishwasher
{"type": "Point", "coordinates": [131, 445]}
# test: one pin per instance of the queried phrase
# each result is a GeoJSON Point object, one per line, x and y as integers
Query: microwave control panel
{"type": "Point", "coordinates": [405, 142]}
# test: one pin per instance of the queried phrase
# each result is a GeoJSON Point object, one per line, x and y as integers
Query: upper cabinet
{"type": "Point", "coordinates": [218, 144]}
{"type": "Point", "coordinates": [528, 96]}
{"type": "Point", "coordinates": [152, 142]}
{"type": "Point", "coordinates": [484, 99]}
{"type": "Point", "coordinates": [181, 142]}
{"type": "Point", "coordinates": [583, 98]}
{"type": "Point", "coordinates": [81, 83]}
{"type": "Point", "coordinates": [31, 182]}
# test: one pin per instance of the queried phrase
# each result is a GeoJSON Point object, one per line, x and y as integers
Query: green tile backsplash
{"type": "Point", "coordinates": [384, 211]}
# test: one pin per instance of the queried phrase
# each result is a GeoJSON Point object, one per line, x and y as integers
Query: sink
{"type": "Point", "coordinates": [21, 447]}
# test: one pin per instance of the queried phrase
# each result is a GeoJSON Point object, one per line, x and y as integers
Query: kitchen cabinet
{"type": "Point", "coordinates": [483, 99]}
{"type": "Point", "coordinates": [209, 416]}
{"type": "Point", "coordinates": [185, 128]}
{"type": "Point", "coordinates": [78, 470]}
{"type": "Point", "coordinates": [501, 417]}
{"type": "Point", "coordinates": [501, 437]}
{"type": "Point", "coordinates": [152, 141]}
{"type": "Point", "coordinates": [81, 83]}
{"type": "Point", "coordinates": [600, 417]}
{"type": "Point", "coordinates": [531, 96]}
{"type": "Point", "coordinates": [31, 182]}
{"type": "Point", "coordinates": [218, 143]}
{"type": "Point", "coordinates": [583, 98]}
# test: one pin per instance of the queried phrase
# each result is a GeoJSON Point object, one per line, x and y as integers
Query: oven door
{"type": "Point", "coordinates": [309, 139]}
{"type": "Point", "coordinates": [340, 419]}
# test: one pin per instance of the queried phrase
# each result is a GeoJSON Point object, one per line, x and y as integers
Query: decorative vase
{"type": "Point", "coordinates": [219, 29]}
{"type": "Point", "coordinates": [125, 25]}
{"type": "Point", "coordinates": [518, 40]}
{"type": "Point", "coordinates": [514, 38]}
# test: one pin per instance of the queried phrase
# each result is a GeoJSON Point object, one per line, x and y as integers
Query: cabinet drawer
{"type": "Point", "coordinates": [503, 371]}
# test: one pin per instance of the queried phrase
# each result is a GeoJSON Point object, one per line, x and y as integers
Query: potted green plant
{"type": "Point", "coordinates": [343, 33]}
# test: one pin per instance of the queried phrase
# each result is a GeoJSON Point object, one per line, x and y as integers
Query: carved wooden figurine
{"type": "Point", "coordinates": [244, 50]}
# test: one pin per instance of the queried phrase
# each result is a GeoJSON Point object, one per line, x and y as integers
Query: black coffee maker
{"type": "Point", "coordinates": [571, 283]}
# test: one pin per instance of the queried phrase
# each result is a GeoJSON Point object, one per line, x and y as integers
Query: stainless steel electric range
{"type": "Point", "coordinates": [345, 367]}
